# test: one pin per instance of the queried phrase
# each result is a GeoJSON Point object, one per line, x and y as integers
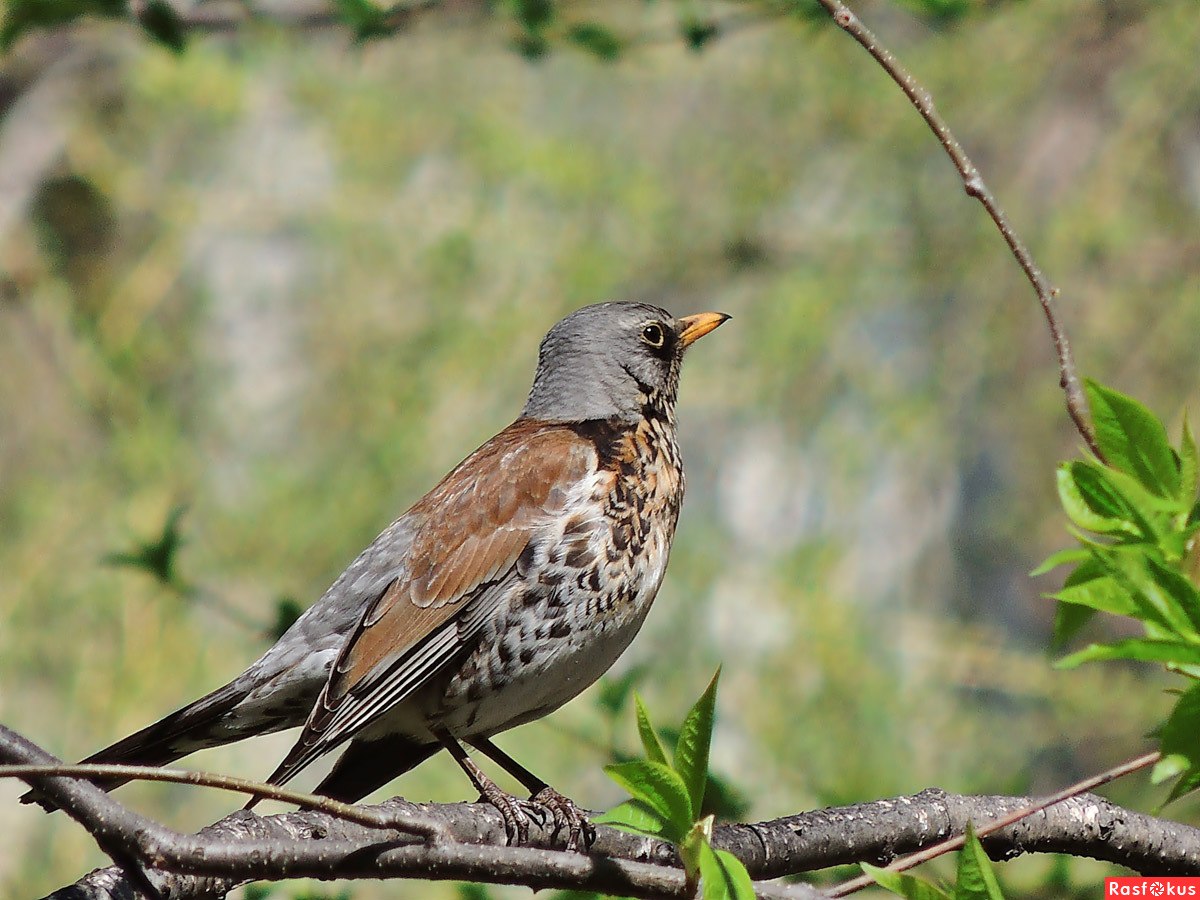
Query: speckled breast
{"type": "Point", "coordinates": [580, 591]}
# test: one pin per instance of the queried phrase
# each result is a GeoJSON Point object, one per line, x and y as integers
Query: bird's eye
{"type": "Point", "coordinates": [653, 335]}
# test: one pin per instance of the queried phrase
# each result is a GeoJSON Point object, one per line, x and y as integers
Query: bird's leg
{"type": "Point", "coordinates": [567, 816]}
{"type": "Point", "coordinates": [516, 822]}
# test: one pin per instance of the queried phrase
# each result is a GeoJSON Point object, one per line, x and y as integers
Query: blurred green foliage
{"type": "Point", "coordinates": [290, 281]}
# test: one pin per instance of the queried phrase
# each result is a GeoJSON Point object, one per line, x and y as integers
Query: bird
{"type": "Point", "coordinates": [504, 592]}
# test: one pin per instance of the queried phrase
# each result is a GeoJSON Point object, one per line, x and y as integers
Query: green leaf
{"type": "Point", "coordinates": [601, 42]}
{"type": "Point", "coordinates": [1180, 737]}
{"type": "Point", "coordinates": [1132, 439]}
{"type": "Point", "coordinates": [1162, 596]}
{"type": "Point", "coordinates": [635, 816]}
{"type": "Point", "coordinates": [976, 880]}
{"type": "Point", "coordinates": [1106, 501]}
{"type": "Point", "coordinates": [1142, 649]}
{"type": "Point", "coordinates": [23, 16]}
{"type": "Point", "coordinates": [722, 875]}
{"type": "Point", "coordinates": [650, 742]}
{"type": "Point", "coordinates": [660, 788]}
{"type": "Point", "coordinates": [1078, 510]}
{"type": "Point", "coordinates": [1170, 766]}
{"type": "Point", "coordinates": [1188, 782]}
{"type": "Point", "coordinates": [695, 738]}
{"type": "Point", "coordinates": [736, 876]}
{"type": "Point", "coordinates": [1070, 556]}
{"type": "Point", "coordinates": [905, 885]}
{"type": "Point", "coordinates": [162, 23]}
{"type": "Point", "coordinates": [1069, 620]}
{"type": "Point", "coordinates": [1189, 462]}
{"type": "Point", "coordinates": [1100, 592]}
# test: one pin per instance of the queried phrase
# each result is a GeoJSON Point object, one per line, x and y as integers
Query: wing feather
{"type": "Point", "coordinates": [468, 533]}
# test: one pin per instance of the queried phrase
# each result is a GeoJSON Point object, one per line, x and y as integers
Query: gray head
{"type": "Point", "coordinates": [610, 360]}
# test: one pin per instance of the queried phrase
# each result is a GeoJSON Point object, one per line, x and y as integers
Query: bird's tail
{"type": "Point", "coordinates": [197, 726]}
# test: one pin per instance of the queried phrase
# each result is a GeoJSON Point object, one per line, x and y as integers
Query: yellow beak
{"type": "Point", "coordinates": [697, 326]}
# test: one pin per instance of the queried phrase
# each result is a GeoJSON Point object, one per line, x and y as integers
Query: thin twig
{"type": "Point", "coordinates": [982, 831]}
{"type": "Point", "coordinates": [372, 817]}
{"type": "Point", "coordinates": [975, 186]}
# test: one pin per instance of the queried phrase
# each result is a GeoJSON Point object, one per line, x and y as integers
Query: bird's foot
{"type": "Point", "coordinates": [567, 817]}
{"type": "Point", "coordinates": [512, 811]}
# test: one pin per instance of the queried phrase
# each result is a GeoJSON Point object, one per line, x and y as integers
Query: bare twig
{"type": "Point", "coordinates": [372, 817]}
{"type": "Point", "coordinates": [982, 830]}
{"type": "Point", "coordinates": [975, 186]}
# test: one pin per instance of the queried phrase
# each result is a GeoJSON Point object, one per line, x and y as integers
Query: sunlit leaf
{"type": "Point", "coordinates": [660, 788]}
{"type": "Point", "coordinates": [1101, 592]}
{"type": "Point", "coordinates": [1179, 737]}
{"type": "Point", "coordinates": [635, 816]}
{"type": "Point", "coordinates": [1133, 439]}
{"type": "Point", "coordinates": [1070, 556]}
{"type": "Point", "coordinates": [1189, 463]}
{"type": "Point", "coordinates": [1161, 595]}
{"type": "Point", "coordinates": [722, 875]}
{"type": "Point", "coordinates": [1069, 620]}
{"type": "Point", "coordinates": [904, 884]}
{"type": "Point", "coordinates": [1142, 649]}
{"type": "Point", "coordinates": [650, 743]}
{"type": "Point", "coordinates": [695, 738]}
{"type": "Point", "coordinates": [976, 879]}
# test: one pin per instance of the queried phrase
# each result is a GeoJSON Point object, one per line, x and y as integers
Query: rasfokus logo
{"type": "Point", "coordinates": [1138, 886]}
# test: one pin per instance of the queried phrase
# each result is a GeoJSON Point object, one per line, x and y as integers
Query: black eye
{"type": "Point", "coordinates": [653, 335]}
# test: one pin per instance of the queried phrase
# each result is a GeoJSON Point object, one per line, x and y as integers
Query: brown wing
{"type": "Point", "coordinates": [467, 534]}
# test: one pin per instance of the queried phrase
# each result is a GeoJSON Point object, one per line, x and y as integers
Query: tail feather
{"type": "Point", "coordinates": [196, 726]}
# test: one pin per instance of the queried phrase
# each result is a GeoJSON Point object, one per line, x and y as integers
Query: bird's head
{"type": "Point", "coordinates": [611, 360]}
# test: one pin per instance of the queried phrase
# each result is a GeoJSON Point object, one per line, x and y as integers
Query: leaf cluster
{"type": "Point", "coordinates": [1135, 516]}
{"type": "Point", "coordinates": [667, 796]}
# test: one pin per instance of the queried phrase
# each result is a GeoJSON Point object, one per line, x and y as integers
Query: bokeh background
{"type": "Point", "coordinates": [286, 281]}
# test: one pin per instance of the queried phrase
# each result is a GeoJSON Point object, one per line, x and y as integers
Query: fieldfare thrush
{"type": "Point", "coordinates": [505, 591]}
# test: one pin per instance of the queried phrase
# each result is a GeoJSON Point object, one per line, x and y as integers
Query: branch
{"type": "Point", "coordinates": [245, 847]}
{"type": "Point", "coordinates": [975, 186]}
{"type": "Point", "coordinates": [320, 844]}
{"type": "Point", "coordinates": [983, 830]}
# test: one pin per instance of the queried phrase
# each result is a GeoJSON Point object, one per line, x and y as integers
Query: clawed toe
{"type": "Point", "coordinates": [567, 817]}
{"type": "Point", "coordinates": [512, 811]}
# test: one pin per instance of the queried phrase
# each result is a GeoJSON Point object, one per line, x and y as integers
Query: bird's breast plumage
{"type": "Point", "coordinates": [580, 590]}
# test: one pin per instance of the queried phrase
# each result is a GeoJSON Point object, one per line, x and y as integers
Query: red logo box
{"type": "Point", "coordinates": [1139, 886]}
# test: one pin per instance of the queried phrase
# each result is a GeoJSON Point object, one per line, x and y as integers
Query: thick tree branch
{"type": "Point", "coordinates": [244, 847]}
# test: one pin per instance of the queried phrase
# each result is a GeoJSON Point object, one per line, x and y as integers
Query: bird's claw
{"type": "Point", "coordinates": [545, 804]}
{"type": "Point", "coordinates": [567, 817]}
{"type": "Point", "coordinates": [512, 811]}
